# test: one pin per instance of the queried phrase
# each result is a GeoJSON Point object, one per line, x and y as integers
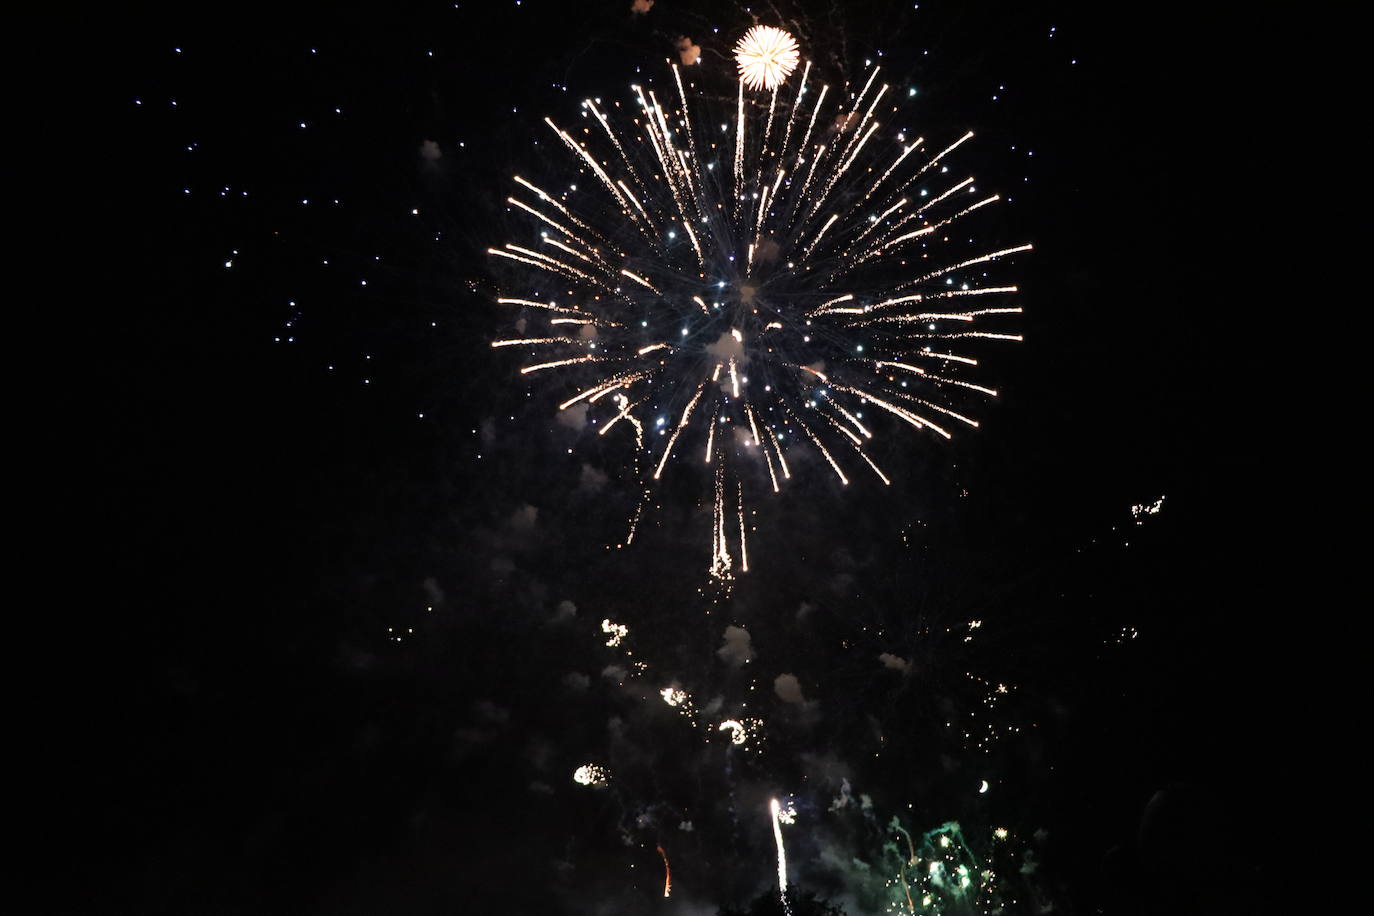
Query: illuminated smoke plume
{"type": "Point", "coordinates": [688, 52]}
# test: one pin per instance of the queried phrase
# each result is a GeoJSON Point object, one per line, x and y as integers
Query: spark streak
{"type": "Point", "coordinates": [775, 809]}
{"type": "Point", "coordinates": [667, 873]}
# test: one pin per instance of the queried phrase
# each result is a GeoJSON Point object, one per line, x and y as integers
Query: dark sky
{"type": "Point", "coordinates": [293, 469]}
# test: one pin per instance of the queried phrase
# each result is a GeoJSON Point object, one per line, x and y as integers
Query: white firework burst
{"type": "Point", "coordinates": [766, 56]}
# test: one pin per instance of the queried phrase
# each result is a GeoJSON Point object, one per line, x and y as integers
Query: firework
{"type": "Point", "coordinates": [775, 809]}
{"type": "Point", "coordinates": [737, 292]}
{"type": "Point", "coordinates": [1145, 510]}
{"type": "Point", "coordinates": [766, 56]}
{"type": "Point", "coordinates": [667, 873]}
{"type": "Point", "coordinates": [674, 697]}
{"type": "Point", "coordinates": [590, 774]}
{"type": "Point", "coordinates": [615, 632]}
{"type": "Point", "coordinates": [741, 730]}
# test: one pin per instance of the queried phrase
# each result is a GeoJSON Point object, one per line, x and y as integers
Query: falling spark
{"type": "Point", "coordinates": [667, 873]}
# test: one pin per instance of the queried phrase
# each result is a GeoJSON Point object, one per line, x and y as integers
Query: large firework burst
{"type": "Point", "coordinates": [728, 292]}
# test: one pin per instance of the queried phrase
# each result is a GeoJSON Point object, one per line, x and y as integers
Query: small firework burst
{"type": "Point", "coordinates": [766, 56]}
{"type": "Point", "coordinates": [590, 774]}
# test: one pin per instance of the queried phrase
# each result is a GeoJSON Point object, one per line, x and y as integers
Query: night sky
{"type": "Point", "coordinates": [340, 643]}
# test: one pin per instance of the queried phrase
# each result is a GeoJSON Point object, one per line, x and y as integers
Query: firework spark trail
{"type": "Point", "coordinates": [546, 198]}
{"type": "Point", "coordinates": [743, 546]}
{"type": "Point", "coordinates": [868, 114]}
{"type": "Point", "coordinates": [531, 303]}
{"type": "Point", "coordinates": [603, 177]}
{"type": "Point", "coordinates": [596, 391]}
{"type": "Point", "coordinates": [696, 297]}
{"type": "Point", "coordinates": [847, 157]}
{"type": "Point", "coordinates": [819, 446]}
{"type": "Point", "coordinates": [879, 220]}
{"type": "Point", "coordinates": [893, 167]}
{"type": "Point", "coordinates": [820, 100]}
{"type": "Point", "coordinates": [739, 148]}
{"type": "Point", "coordinates": [782, 459]}
{"type": "Point", "coordinates": [686, 415]}
{"type": "Point", "coordinates": [624, 157]}
{"type": "Point", "coordinates": [775, 810]}
{"type": "Point", "coordinates": [881, 244]}
{"type": "Point", "coordinates": [711, 436]}
{"type": "Point", "coordinates": [768, 127]}
{"type": "Point", "coordinates": [720, 554]}
{"type": "Point", "coordinates": [787, 134]}
{"type": "Point", "coordinates": [667, 873]}
{"type": "Point", "coordinates": [672, 165]}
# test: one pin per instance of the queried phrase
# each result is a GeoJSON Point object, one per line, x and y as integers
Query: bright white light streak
{"type": "Point", "coordinates": [595, 166]}
{"type": "Point", "coordinates": [926, 205]}
{"type": "Point", "coordinates": [634, 200]}
{"type": "Point", "coordinates": [969, 263]}
{"type": "Point", "coordinates": [876, 469]}
{"type": "Point", "coordinates": [743, 550]}
{"type": "Point", "coordinates": [526, 341]}
{"type": "Point", "coordinates": [711, 436]}
{"type": "Point", "coordinates": [686, 415]}
{"type": "Point", "coordinates": [782, 461]}
{"type": "Point", "coordinates": [796, 104]}
{"type": "Point", "coordinates": [695, 245]}
{"type": "Point", "coordinates": [942, 154]}
{"type": "Point", "coordinates": [819, 235]}
{"type": "Point", "coordinates": [852, 419]}
{"type": "Point", "coordinates": [890, 169]}
{"type": "Point", "coordinates": [562, 362]}
{"type": "Point", "coordinates": [775, 809]}
{"type": "Point", "coordinates": [641, 281]}
{"type": "Point", "coordinates": [914, 419]}
{"type": "Point", "coordinates": [847, 297]}
{"type": "Point", "coordinates": [801, 149]}
{"type": "Point", "coordinates": [532, 303]}
{"type": "Point", "coordinates": [823, 450]}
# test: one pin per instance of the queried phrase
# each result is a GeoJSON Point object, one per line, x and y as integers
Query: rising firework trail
{"type": "Point", "coordinates": [775, 810]}
{"type": "Point", "coordinates": [789, 274]}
